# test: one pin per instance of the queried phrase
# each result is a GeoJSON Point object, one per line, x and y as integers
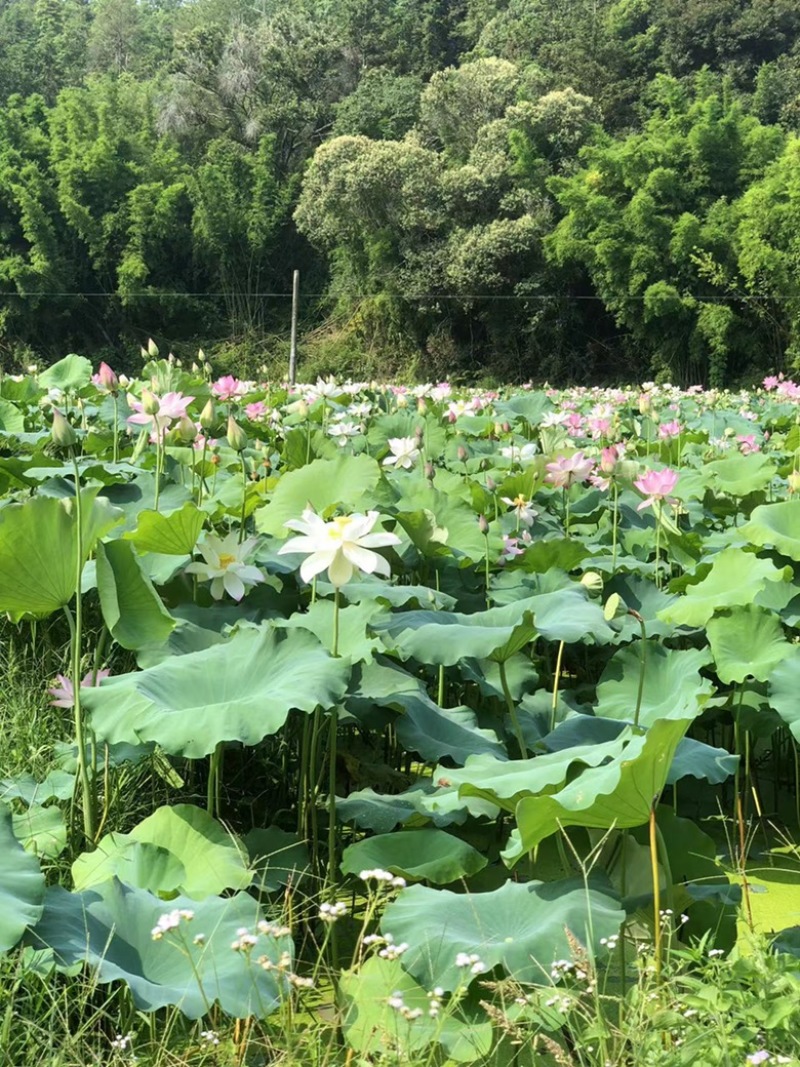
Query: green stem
{"type": "Point", "coordinates": [116, 429]}
{"type": "Point", "coordinates": [556, 680]}
{"type": "Point", "coordinates": [614, 529]}
{"type": "Point", "coordinates": [159, 456]}
{"type": "Point", "coordinates": [243, 518]}
{"type": "Point", "coordinates": [656, 890]}
{"type": "Point", "coordinates": [640, 690]}
{"type": "Point", "coordinates": [333, 737]}
{"type": "Point", "coordinates": [76, 639]}
{"type": "Point", "coordinates": [486, 570]}
{"type": "Point", "coordinates": [512, 711]}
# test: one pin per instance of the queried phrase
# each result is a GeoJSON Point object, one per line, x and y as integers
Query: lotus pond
{"type": "Point", "coordinates": [459, 726]}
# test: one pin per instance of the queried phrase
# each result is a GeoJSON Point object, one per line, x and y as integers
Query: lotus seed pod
{"type": "Point", "coordinates": [614, 608]}
{"type": "Point", "coordinates": [592, 582]}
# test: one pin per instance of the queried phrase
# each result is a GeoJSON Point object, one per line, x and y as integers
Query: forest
{"type": "Point", "coordinates": [567, 190]}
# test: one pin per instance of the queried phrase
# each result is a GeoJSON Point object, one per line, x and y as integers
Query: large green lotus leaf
{"type": "Point", "coordinates": [777, 525]}
{"type": "Point", "coordinates": [445, 637]}
{"type": "Point", "coordinates": [376, 811]}
{"type": "Point", "coordinates": [530, 406]}
{"type": "Point", "coordinates": [423, 726]}
{"type": "Point", "coordinates": [736, 577]}
{"type": "Point", "coordinates": [519, 927]}
{"type": "Point", "coordinates": [70, 373]}
{"type": "Point", "coordinates": [38, 553]}
{"type": "Point", "coordinates": [21, 885]}
{"type": "Point", "coordinates": [747, 642]}
{"type": "Point", "coordinates": [784, 687]}
{"type": "Point", "coordinates": [42, 831]}
{"type": "Point", "coordinates": [673, 687]}
{"type": "Point", "coordinates": [11, 418]}
{"type": "Point", "coordinates": [506, 782]}
{"type": "Point", "coordinates": [620, 793]}
{"type": "Point", "coordinates": [739, 475]}
{"type": "Point", "coordinates": [395, 595]}
{"type": "Point", "coordinates": [693, 759]}
{"type": "Point", "coordinates": [562, 608]}
{"type": "Point", "coordinates": [418, 855]}
{"type": "Point", "coordinates": [442, 522]}
{"type": "Point", "coordinates": [190, 853]}
{"type": "Point", "coordinates": [109, 930]}
{"type": "Point", "coordinates": [559, 554]}
{"type": "Point", "coordinates": [173, 534]}
{"type": "Point", "coordinates": [354, 642]}
{"type": "Point", "coordinates": [278, 858]}
{"type": "Point", "coordinates": [240, 690]}
{"type": "Point", "coordinates": [325, 483]}
{"type": "Point", "coordinates": [371, 1025]}
{"type": "Point", "coordinates": [132, 609]}
{"type": "Point", "coordinates": [58, 785]}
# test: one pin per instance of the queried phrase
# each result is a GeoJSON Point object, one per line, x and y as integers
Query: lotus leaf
{"type": "Point", "coordinates": [521, 928]}
{"type": "Point", "coordinates": [418, 855]}
{"type": "Point", "coordinates": [21, 886]}
{"type": "Point", "coordinates": [109, 930]}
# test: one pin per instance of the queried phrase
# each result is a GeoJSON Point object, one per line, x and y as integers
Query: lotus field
{"type": "Point", "coordinates": [456, 719]}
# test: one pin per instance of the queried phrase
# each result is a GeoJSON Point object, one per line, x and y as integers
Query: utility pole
{"type": "Point", "coordinates": [293, 341]}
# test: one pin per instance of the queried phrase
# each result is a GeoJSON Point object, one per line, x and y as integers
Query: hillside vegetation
{"type": "Point", "coordinates": [572, 189]}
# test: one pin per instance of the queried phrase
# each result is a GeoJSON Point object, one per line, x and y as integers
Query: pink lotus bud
{"type": "Point", "coordinates": [107, 379]}
{"type": "Point", "coordinates": [483, 525]}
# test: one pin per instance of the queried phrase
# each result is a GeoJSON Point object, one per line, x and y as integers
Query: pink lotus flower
{"type": "Point", "coordinates": [64, 692]}
{"type": "Point", "coordinates": [229, 388]}
{"type": "Point", "coordinates": [669, 429]}
{"type": "Point", "coordinates": [771, 382]}
{"type": "Point", "coordinates": [656, 485]}
{"type": "Point", "coordinates": [256, 412]}
{"type": "Point", "coordinates": [566, 470]}
{"type": "Point", "coordinates": [170, 406]}
{"type": "Point", "coordinates": [748, 443]}
{"type": "Point", "coordinates": [105, 379]}
{"type": "Point", "coordinates": [610, 457]}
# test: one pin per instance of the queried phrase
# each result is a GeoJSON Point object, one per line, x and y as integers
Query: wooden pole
{"type": "Point", "coordinates": [293, 342]}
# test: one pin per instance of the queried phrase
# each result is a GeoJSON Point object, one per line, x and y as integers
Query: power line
{"type": "Point", "coordinates": [400, 296]}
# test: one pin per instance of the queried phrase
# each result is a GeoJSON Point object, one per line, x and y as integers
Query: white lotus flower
{"type": "Point", "coordinates": [341, 546]}
{"type": "Point", "coordinates": [226, 565]}
{"type": "Point", "coordinates": [342, 431]}
{"type": "Point", "coordinates": [520, 453]}
{"type": "Point", "coordinates": [405, 452]}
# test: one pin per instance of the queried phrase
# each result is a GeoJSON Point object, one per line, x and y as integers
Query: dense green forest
{"type": "Point", "coordinates": [579, 190]}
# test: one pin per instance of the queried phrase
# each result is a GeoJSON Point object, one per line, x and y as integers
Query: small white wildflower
{"type": "Point", "coordinates": [761, 1056]}
{"type": "Point", "coordinates": [210, 1037]}
{"type": "Point", "coordinates": [122, 1041]}
{"type": "Point", "coordinates": [329, 913]}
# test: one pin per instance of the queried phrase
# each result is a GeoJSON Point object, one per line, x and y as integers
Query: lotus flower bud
{"type": "Point", "coordinates": [419, 435]}
{"type": "Point", "coordinates": [645, 404]}
{"type": "Point", "coordinates": [186, 431]}
{"type": "Point", "coordinates": [430, 471]}
{"type": "Point", "coordinates": [150, 403]}
{"type": "Point", "coordinates": [152, 348]}
{"type": "Point", "coordinates": [483, 525]}
{"type": "Point", "coordinates": [302, 409]}
{"type": "Point", "coordinates": [592, 582]}
{"type": "Point", "coordinates": [402, 400]}
{"type": "Point", "coordinates": [124, 381]}
{"type": "Point", "coordinates": [422, 406]}
{"type": "Point", "coordinates": [201, 355]}
{"type": "Point", "coordinates": [462, 454]}
{"type": "Point", "coordinates": [506, 426]}
{"type": "Point", "coordinates": [107, 379]}
{"type": "Point", "coordinates": [208, 416]}
{"type": "Point", "coordinates": [237, 438]}
{"type": "Point", "coordinates": [794, 482]}
{"type": "Point", "coordinates": [62, 434]}
{"type": "Point", "coordinates": [491, 484]}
